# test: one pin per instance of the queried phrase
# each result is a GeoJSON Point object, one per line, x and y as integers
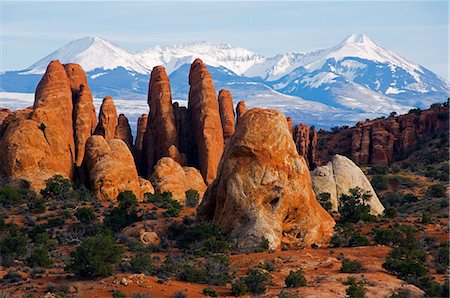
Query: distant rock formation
{"type": "Point", "coordinates": [264, 187]}
{"type": "Point", "coordinates": [161, 131]}
{"type": "Point", "coordinates": [241, 109]}
{"type": "Point", "coordinates": [226, 114]}
{"type": "Point", "coordinates": [185, 137]}
{"type": "Point", "coordinates": [107, 119]}
{"type": "Point", "coordinates": [139, 143]}
{"type": "Point", "coordinates": [206, 123]}
{"type": "Point", "coordinates": [111, 168]}
{"type": "Point", "coordinates": [123, 131]}
{"type": "Point", "coordinates": [171, 176]}
{"type": "Point", "coordinates": [340, 175]}
{"type": "Point", "coordinates": [38, 143]}
{"type": "Point", "coordinates": [306, 142]}
{"type": "Point", "coordinates": [84, 118]}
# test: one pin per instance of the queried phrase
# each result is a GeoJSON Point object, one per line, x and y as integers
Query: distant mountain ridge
{"type": "Point", "coordinates": [357, 77]}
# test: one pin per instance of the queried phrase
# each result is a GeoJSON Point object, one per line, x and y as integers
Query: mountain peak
{"type": "Point", "coordinates": [357, 38]}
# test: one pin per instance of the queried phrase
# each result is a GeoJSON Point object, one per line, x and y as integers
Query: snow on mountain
{"type": "Point", "coordinates": [91, 53]}
{"type": "Point", "coordinates": [172, 57]}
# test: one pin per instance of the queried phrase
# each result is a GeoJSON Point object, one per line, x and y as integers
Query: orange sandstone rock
{"type": "Point", "coordinates": [107, 119]}
{"type": "Point", "coordinates": [206, 123]}
{"type": "Point", "coordinates": [263, 187]}
{"type": "Point", "coordinates": [226, 113]}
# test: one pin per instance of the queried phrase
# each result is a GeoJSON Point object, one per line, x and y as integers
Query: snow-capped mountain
{"type": "Point", "coordinates": [356, 78]}
{"type": "Point", "coordinates": [91, 53]}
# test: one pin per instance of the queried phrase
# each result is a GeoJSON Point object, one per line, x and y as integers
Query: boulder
{"type": "Point", "coordinates": [84, 118]}
{"type": "Point", "coordinates": [169, 175]}
{"type": "Point", "coordinates": [142, 231]}
{"type": "Point", "coordinates": [263, 187]}
{"type": "Point", "coordinates": [145, 186]}
{"type": "Point", "coordinates": [107, 119]}
{"type": "Point", "coordinates": [226, 111]}
{"type": "Point", "coordinates": [111, 168]}
{"type": "Point", "coordinates": [205, 117]}
{"type": "Point", "coordinates": [340, 175]}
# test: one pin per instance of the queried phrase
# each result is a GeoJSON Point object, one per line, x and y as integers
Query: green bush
{"type": "Point", "coordinates": [141, 263]}
{"type": "Point", "coordinates": [217, 268]}
{"type": "Point", "coordinates": [36, 206]}
{"type": "Point", "coordinates": [210, 292]}
{"type": "Point", "coordinates": [192, 198]}
{"type": "Point", "coordinates": [407, 260]}
{"type": "Point", "coordinates": [379, 182]}
{"type": "Point", "coordinates": [12, 276]}
{"type": "Point", "coordinates": [192, 274]}
{"type": "Point", "coordinates": [200, 239]}
{"type": "Point", "coordinates": [9, 196]}
{"type": "Point", "coordinates": [295, 279]}
{"type": "Point", "coordinates": [13, 247]}
{"type": "Point", "coordinates": [164, 200]}
{"type": "Point", "coordinates": [390, 213]}
{"type": "Point", "coordinates": [355, 290]}
{"type": "Point", "coordinates": [346, 236]}
{"type": "Point", "coordinates": [349, 266]}
{"type": "Point", "coordinates": [85, 215]}
{"type": "Point", "coordinates": [263, 245]}
{"type": "Point", "coordinates": [39, 258]}
{"type": "Point", "coordinates": [256, 281]}
{"type": "Point", "coordinates": [426, 218]}
{"type": "Point", "coordinates": [239, 288]}
{"type": "Point", "coordinates": [118, 294]}
{"type": "Point", "coordinates": [123, 215]}
{"type": "Point", "coordinates": [58, 188]}
{"type": "Point", "coordinates": [96, 256]}
{"type": "Point", "coordinates": [378, 170]}
{"type": "Point", "coordinates": [324, 200]}
{"type": "Point", "coordinates": [436, 191]}
{"type": "Point", "coordinates": [410, 198]}
{"type": "Point", "coordinates": [354, 206]}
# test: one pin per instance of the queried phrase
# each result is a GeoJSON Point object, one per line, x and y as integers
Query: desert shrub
{"type": "Point", "coordinates": [288, 295]}
{"type": "Point", "coordinates": [379, 182]}
{"type": "Point", "coordinates": [58, 188]}
{"type": "Point", "coordinates": [268, 265]}
{"type": "Point", "coordinates": [436, 191]}
{"type": "Point", "coordinates": [355, 289]}
{"type": "Point", "coordinates": [349, 266]}
{"type": "Point", "coordinates": [55, 222]}
{"type": "Point", "coordinates": [263, 245]}
{"type": "Point", "coordinates": [239, 288]}
{"type": "Point", "coordinates": [179, 294]}
{"type": "Point", "coordinates": [393, 199]}
{"type": "Point", "coordinates": [324, 200]}
{"type": "Point", "coordinates": [123, 215]}
{"type": "Point", "coordinates": [39, 258]}
{"type": "Point", "coordinates": [426, 217]}
{"type": "Point", "coordinates": [141, 263]}
{"type": "Point", "coordinates": [192, 198]}
{"type": "Point", "coordinates": [9, 196]}
{"type": "Point", "coordinates": [12, 277]}
{"type": "Point", "coordinates": [217, 268]}
{"type": "Point", "coordinates": [407, 260]}
{"type": "Point", "coordinates": [118, 294]}
{"type": "Point", "coordinates": [200, 239]}
{"type": "Point", "coordinates": [295, 279]}
{"type": "Point", "coordinates": [400, 293]}
{"type": "Point", "coordinates": [346, 236]}
{"type": "Point", "coordinates": [191, 273]}
{"type": "Point", "coordinates": [410, 198]}
{"type": "Point", "coordinates": [36, 206]}
{"type": "Point", "coordinates": [164, 200]}
{"type": "Point", "coordinates": [354, 206]}
{"type": "Point", "coordinates": [378, 170]}
{"type": "Point", "coordinates": [13, 247]}
{"type": "Point", "coordinates": [390, 212]}
{"type": "Point", "coordinates": [441, 257]}
{"type": "Point", "coordinates": [391, 236]}
{"type": "Point", "coordinates": [96, 256]}
{"type": "Point", "coordinates": [256, 281]}
{"type": "Point", "coordinates": [210, 292]}
{"type": "Point", "coordinates": [85, 215]}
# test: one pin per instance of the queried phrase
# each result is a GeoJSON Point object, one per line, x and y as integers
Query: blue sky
{"type": "Point", "coordinates": [417, 30]}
